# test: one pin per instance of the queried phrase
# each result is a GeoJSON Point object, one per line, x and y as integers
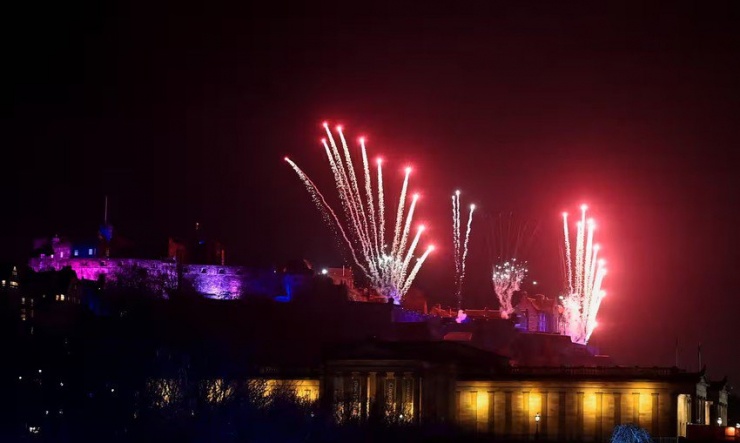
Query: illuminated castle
{"type": "Point", "coordinates": [193, 265]}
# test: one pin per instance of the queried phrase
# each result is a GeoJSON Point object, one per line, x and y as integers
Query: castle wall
{"type": "Point", "coordinates": [163, 276]}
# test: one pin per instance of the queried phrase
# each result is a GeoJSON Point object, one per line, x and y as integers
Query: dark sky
{"type": "Point", "coordinates": [183, 113]}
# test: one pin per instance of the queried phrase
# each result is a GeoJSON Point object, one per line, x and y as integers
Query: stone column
{"type": "Point", "coordinates": [380, 395]}
{"type": "Point", "coordinates": [525, 414]}
{"type": "Point", "coordinates": [363, 376]}
{"type": "Point", "coordinates": [544, 412]}
{"type": "Point", "coordinates": [416, 392]}
{"type": "Point", "coordinates": [599, 431]}
{"type": "Point", "coordinates": [491, 412]}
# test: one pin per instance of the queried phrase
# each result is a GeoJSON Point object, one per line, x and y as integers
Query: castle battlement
{"type": "Point", "coordinates": [210, 281]}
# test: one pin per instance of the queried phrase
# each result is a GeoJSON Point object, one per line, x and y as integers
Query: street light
{"type": "Point", "coordinates": [537, 426]}
{"type": "Point", "coordinates": [719, 421]}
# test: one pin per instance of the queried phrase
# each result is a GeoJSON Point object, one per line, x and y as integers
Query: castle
{"type": "Point", "coordinates": [196, 265]}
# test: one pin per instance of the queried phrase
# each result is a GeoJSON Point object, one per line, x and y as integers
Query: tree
{"type": "Point", "coordinates": [630, 433]}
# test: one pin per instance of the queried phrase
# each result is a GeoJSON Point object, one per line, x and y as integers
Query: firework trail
{"type": "Point", "coordinates": [582, 301]}
{"type": "Point", "coordinates": [568, 260]}
{"type": "Point", "coordinates": [512, 238]}
{"type": "Point", "coordinates": [460, 248]}
{"type": "Point", "coordinates": [507, 279]}
{"type": "Point", "coordinates": [362, 227]}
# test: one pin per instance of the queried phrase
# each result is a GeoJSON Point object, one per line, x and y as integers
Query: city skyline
{"type": "Point", "coordinates": [186, 118]}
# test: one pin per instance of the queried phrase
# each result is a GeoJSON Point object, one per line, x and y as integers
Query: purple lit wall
{"type": "Point", "coordinates": [210, 281]}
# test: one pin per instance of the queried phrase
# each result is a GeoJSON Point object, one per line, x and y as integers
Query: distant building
{"type": "Point", "coordinates": [428, 381]}
{"type": "Point", "coordinates": [537, 313]}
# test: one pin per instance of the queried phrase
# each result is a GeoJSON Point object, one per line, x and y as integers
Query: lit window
{"type": "Point", "coordinates": [61, 297]}
{"type": "Point", "coordinates": [61, 255]}
{"type": "Point", "coordinates": [90, 251]}
{"type": "Point", "coordinates": [76, 253]}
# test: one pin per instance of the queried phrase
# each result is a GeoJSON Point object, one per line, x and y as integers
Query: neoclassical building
{"type": "Point", "coordinates": [480, 391]}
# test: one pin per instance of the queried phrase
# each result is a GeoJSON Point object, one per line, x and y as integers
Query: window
{"type": "Point", "coordinates": [76, 253]}
{"type": "Point", "coordinates": [542, 327]}
{"type": "Point", "coordinates": [90, 251]}
{"type": "Point", "coordinates": [61, 254]}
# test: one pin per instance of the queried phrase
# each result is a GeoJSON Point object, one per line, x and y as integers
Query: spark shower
{"type": "Point", "coordinates": [584, 275]}
{"type": "Point", "coordinates": [460, 247]}
{"type": "Point", "coordinates": [362, 224]}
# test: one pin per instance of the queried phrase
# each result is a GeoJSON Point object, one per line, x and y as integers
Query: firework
{"type": "Point", "coordinates": [584, 277]}
{"type": "Point", "coordinates": [460, 248]}
{"type": "Point", "coordinates": [512, 237]}
{"type": "Point", "coordinates": [362, 227]}
{"type": "Point", "coordinates": [507, 279]}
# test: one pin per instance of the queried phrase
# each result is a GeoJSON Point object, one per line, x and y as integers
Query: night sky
{"type": "Point", "coordinates": [183, 113]}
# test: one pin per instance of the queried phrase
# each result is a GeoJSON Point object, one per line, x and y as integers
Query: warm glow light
{"type": "Point", "coordinates": [362, 139]}
{"type": "Point", "coordinates": [431, 248]}
{"type": "Point", "coordinates": [324, 271]}
{"type": "Point", "coordinates": [415, 196]}
{"type": "Point", "coordinates": [339, 128]}
{"type": "Point", "coordinates": [408, 169]}
{"type": "Point", "coordinates": [584, 207]}
{"type": "Point", "coordinates": [380, 160]}
{"type": "Point", "coordinates": [286, 159]}
{"type": "Point", "coordinates": [472, 207]}
{"type": "Point", "coordinates": [565, 214]}
{"type": "Point", "coordinates": [422, 227]}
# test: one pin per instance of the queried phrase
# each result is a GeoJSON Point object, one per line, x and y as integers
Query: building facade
{"type": "Point", "coordinates": [480, 392]}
